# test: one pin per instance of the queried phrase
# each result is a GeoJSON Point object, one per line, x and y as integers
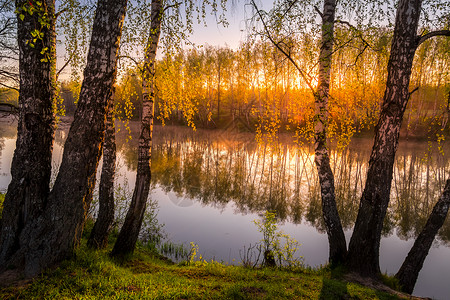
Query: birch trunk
{"type": "Point", "coordinates": [102, 227]}
{"type": "Point", "coordinates": [409, 271]}
{"type": "Point", "coordinates": [52, 236]}
{"type": "Point", "coordinates": [129, 232]}
{"type": "Point", "coordinates": [336, 238]}
{"type": "Point", "coordinates": [31, 165]}
{"type": "Point", "coordinates": [363, 255]}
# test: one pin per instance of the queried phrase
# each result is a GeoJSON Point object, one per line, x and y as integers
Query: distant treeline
{"type": "Point", "coordinates": [257, 87]}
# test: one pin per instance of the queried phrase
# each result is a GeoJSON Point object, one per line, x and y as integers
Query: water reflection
{"type": "Point", "coordinates": [216, 168]}
{"type": "Point", "coordinates": [419, 180]}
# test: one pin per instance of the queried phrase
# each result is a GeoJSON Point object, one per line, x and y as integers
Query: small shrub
{"type": "Point", "coordinates": [250, 256]}
{"type": "Point", "coordinates": [277, 246]}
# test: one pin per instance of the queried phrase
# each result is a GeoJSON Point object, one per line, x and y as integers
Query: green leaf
{"type": "Point", "coordinates": [21, 17]}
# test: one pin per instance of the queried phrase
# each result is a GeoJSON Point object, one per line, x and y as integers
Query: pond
{"type": "Point", "coordinates": [210, 185]}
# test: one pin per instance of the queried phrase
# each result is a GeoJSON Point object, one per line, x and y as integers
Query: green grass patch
{"type": "Point", "coordinates": [2, 199]}
{"type": "Point", "coordinates": [94, 275]}
{"type": "Point", "coordinates": [391, 282]}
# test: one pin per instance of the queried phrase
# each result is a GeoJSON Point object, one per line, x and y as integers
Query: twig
{"type": "Point", "coordinates": [289, 8]}
{"type": "Point", "coordinates": [354, 29]}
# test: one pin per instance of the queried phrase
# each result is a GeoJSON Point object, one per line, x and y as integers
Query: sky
{"type": "Point", "coordinates": [214, 34]}
{"type": "Point", "coordinates": [217, 35]}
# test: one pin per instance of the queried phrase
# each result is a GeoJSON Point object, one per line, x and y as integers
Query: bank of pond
{"type": "Point", "coordinates": [94, 275]}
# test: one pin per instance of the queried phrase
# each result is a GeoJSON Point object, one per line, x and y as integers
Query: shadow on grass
{"type": "Point", "coordinates": [333, 289]}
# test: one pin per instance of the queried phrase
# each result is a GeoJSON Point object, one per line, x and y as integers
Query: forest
{"type": "Point", "coordinates": [211, 86]}
{"type": "Point", "coordinates": [310, 82]}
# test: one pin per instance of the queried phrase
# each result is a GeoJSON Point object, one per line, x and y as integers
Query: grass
{"type": "Point", "coordinates": [2, 199]}
{"type": "Point", "coordinates": [391, 282]}
{"type": "Point", "coordinates": [94, 275]}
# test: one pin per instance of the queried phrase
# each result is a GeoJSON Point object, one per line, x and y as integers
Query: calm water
{"type": "Point", "coordinates": [211, 185]}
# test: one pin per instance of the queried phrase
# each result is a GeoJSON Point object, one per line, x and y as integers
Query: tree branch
{"type": "Point", "coordinates": [429, 35]}
{"type": "Point", "coordinates": [63, 67]}
{"type": "Point", "coordinates": [9, 75]}
{"type": "Point", "coordinates": [354, 29]}
{"type": "Point", "coordinates": [289, 8]}
{"type": "Point", "coordinates": [61, 12]}
{"type": "Point", "coordinates": [318, 11]}
{"type": "Point", "coordinates": [176, 4]}
{"type": "Point", "coordinates": [360, 54]}
{"type": "Point", "coordinates": [137, 63]}
{"type": "Point", "coordinates": [7, 26]}
{"type": "Point", "coordinates": [9, 57]}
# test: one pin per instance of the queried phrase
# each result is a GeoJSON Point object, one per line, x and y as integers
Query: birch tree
{"type": "Point", "coordinates": [335, 233]}
{"type": "Point", "coordinates": [336, 238]}
{"type": "Point", "coordinates": [409, 271]}
{"type": "Point", "coordinates": [363, 255]}
{"type": "Point", "coordinates": [165, 15]}
{"type": "Point", "coordinates": [28, 190]}
{"type": "Point", "coordinates": [126, 241]}
{"type": "Point", "coordinates": [102, 226]}
{"type": "Point", "coordinates": [58, 218]}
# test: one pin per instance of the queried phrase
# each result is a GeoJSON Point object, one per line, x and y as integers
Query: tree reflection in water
{"type": "Point", "coordinates": [216, 168]}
